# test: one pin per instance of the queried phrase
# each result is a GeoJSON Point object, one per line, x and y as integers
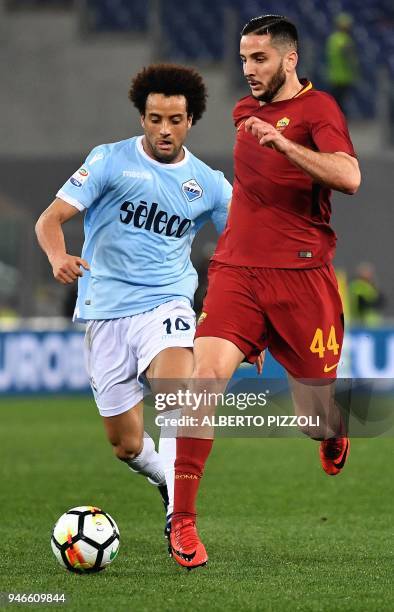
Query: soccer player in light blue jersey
{"type": "Point", "coordinates": [143, 201]}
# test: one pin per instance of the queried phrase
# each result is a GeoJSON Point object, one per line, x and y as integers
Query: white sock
{"type": "Point", "coordinates": [148, 463]}
{"type": "Point", "coordinates": [167, 453]}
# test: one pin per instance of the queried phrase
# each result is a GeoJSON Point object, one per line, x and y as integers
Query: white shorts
{"type": "Point", "coordinates": [118, 351]}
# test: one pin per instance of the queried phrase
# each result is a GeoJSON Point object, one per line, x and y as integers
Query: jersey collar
{"type": "Point", "coordinates": [307, 86]}
{"type": "Point", "coordinates": [183, 161]}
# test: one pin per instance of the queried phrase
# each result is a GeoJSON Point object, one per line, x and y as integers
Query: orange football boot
{"type": "Point", "coordinates": [333, 454]}
{"type": "Point", "coordinates": [187, 549]}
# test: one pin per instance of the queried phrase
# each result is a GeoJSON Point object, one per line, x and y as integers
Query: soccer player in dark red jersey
{"type": "Point", "coordinates": [271, 282]}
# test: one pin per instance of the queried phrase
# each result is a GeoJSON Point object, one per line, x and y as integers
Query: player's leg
{"type": "Point", "coordinates": [318, 397]}
{"type": "Point", "coordinates": [229, 330]}
{"type": "Point", "coordinates": [328, 420]}
{"type": "Point", "coordinates": [135, 447]}
{"type": "Point", "coordinates": [163, 344]}
{"type": "Point", "coordinates": [167, 373]}
{"type": "Point", "coordinates": [309, 347]}
{"type": "Point", "coordinates": [315, 400]}
{"type": "Point", "coordinates": [112, 371]}
{"type": "Point", "coordinates": [216, 359]}
{"type": "Point", "coordinates": [125, 432]}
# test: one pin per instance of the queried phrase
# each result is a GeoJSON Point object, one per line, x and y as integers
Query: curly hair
{"type": "Point", "coordinates": [170, 80]}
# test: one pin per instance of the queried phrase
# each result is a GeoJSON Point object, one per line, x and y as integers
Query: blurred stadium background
{"type": "Point", "coordinates": [65, 71]}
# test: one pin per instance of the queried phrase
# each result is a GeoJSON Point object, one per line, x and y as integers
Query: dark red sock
{"type": "Point", "coordinates": [191, 456]}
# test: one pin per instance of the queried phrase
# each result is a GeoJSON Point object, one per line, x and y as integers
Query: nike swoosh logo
{"type": "Point", "coordinates": [241, 125]}
{"type": "Point", "coordinates": [342, 461]}
{"type": "Point", "coordinates": [183, 555]}
{"type": "Point", "coordinates": [113, 554]}
{"type": "Point", "coordinates": [329, 368]}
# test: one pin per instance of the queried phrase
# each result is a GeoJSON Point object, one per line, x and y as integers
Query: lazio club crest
{"type": "Point", "coordinates": [192, 190]}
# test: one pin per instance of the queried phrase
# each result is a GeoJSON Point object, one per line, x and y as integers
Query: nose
{"type": "Point", "coordinates": [248, 69]}
{"type": "Point", "coordinates": [165, 129]}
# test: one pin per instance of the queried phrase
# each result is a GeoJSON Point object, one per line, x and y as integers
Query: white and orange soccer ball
{"type": "Point", "coordinates": [85, 540]}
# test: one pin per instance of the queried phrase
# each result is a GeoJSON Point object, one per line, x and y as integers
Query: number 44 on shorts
{"type": "Point", "coordinates": [319, 346]}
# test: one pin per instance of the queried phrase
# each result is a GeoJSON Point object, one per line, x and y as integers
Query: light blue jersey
{"type": "Point", "coordinates": [141, 218]}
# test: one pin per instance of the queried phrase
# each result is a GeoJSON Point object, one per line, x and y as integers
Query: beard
{"type": "Point", "coordinates": [275, 84]}
{"type": "Point", "coordinates": [165, 158]}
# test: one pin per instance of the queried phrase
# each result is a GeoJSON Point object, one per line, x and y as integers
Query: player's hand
{"type": "Point", "coordinates": [67, 268]}
{"type": "Point", "coordinates": [267, 134]}
{"type": "Point", "coordinates": [260, 362]}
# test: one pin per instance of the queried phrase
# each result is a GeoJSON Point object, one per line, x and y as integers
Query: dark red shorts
{"type": "Point", "coordinates": [297, 314]}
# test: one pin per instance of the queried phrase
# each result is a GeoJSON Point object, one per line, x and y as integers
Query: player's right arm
{"type": "Point", "coordinates": [66, 268]}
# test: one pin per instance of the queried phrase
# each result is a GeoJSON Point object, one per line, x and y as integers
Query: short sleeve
{"type": "Point", "coordinates": [328, 126]}
{"type": "Point", "coordinates": [86, 185]}
{"type": "Point", "coordinates": [220, 205]}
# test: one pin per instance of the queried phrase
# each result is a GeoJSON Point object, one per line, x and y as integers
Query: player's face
{"type": "Point", "coordinates": [264, 66]}
{"type": "Point", "coordinates": [166, 124]}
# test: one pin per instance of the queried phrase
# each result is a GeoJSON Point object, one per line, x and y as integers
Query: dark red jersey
{"type": "Point", "coordinates": [279, 217]}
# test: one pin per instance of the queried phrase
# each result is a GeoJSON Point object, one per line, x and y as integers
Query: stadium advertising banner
{"type": "Point", "coordinates": [53, 362]}
{"type": "Point", "coordinates": [42, 362]}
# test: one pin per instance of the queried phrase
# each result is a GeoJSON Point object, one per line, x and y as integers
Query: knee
{"type": "Point", "coordinates": [201, 371]}
{"type": "Point", "coordinates": [128, 448]}
{"type": "Point", "coordinates": [217, 371]}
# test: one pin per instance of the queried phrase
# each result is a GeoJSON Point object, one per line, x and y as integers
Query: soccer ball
{"type": "Point", "coordinates": [85, 540]}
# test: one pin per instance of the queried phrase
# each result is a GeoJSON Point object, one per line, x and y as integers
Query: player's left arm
{"type": "Point", "coordinates": [339, 170]}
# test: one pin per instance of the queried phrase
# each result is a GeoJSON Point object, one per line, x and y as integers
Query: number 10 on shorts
{"type": "Point", "coordinates": [179, 325]}
{"type": "Point", "coordinates": [319, 345]}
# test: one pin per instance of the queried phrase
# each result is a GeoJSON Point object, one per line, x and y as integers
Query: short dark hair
{"type": "Point", "coordinates": [278, 26]}
{"type": "Point", "coordinates": [170, 80]}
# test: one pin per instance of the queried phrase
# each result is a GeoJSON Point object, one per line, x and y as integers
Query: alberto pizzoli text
{"type": "Point", "coordinates": [238, 420]}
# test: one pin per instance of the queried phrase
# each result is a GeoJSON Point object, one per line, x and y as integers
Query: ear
{"type": "Point", "coordinates": [291, 60]}
{"type": "Point", "coordinates": [189, 121]}
{"type": "Point", "coordinates": [142, 117]}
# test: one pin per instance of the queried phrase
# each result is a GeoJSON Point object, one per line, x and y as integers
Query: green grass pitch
{"type": "Point", "coordinates": [281, 535]}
